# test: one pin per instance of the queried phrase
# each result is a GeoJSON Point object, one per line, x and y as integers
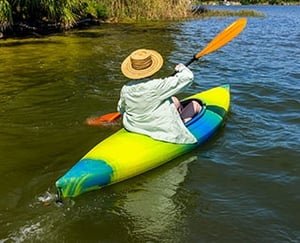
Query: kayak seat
{"type": "Point", "coordinates": [198, 115]}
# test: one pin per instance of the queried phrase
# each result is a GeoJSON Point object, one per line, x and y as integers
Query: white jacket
{"type": "Point", "coordinates": [148, 109]}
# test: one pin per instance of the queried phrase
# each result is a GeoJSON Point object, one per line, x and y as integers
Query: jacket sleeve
{"type": "Point", "coordinates": [170, 86]}
{"type": "Point", "coordinates": [121, 103]}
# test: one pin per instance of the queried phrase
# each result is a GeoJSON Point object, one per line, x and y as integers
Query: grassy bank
{"type": "Point", "coordinates": [36, 17]}
{"type": "Point", "coordinates": [146, 10]}
{"type": "Point", "coordinates": [224, 13]}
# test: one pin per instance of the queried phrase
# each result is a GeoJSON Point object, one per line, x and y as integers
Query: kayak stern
{"type": "Point", "coordinates": [88, 175]}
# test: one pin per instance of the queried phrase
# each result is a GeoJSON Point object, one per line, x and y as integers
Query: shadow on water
{"type": "Point", "coordinates": [16, 43]}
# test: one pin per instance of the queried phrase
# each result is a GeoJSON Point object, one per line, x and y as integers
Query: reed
{"type": "Point", "coordinates": [139, 10]}
{"type": "Point", "coordinates": [64, 14]}
{"type": "Point", "coordinates": [147, 9]}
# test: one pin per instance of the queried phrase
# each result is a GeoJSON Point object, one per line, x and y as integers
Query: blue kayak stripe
{"type": "Point", "coordinates": [84, 176]}
{"type": "Point", "coordinates": [98, 171]}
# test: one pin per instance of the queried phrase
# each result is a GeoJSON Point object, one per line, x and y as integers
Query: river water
{"type": "Point", "coordinates": [242, 186]}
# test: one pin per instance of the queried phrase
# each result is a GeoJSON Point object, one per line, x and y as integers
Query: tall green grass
{"type": "Point", "coordinates": [65, 14]}
{"type": "Point", "coordinates": [6, 17]}
{"type": "Point", "coordinates": [60, 12]}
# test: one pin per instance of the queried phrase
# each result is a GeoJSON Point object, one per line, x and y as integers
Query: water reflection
{"type": "Point", "coordinates": [157, 207]}
{"type": "Point", "coordinates": [150, 207]}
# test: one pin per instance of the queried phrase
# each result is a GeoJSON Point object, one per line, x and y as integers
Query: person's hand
{"type": "Point", "coordinates": [179, 67]}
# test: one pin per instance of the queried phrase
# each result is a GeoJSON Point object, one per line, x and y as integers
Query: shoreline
{"type": "Point", "coordinates": [237, 3]}
{"type": "Point", "coordinates": [24, 30]}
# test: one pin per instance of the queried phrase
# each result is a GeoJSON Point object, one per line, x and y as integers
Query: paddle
{"type": "Point", "coordinates": [104, 119]}
{"type": "Point", "coordinates": [224, 37]}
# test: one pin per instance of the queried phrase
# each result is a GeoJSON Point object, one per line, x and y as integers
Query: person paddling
{"type": "Point", "coordinates": [149, 106]}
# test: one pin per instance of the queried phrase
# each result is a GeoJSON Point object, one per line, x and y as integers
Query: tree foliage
{"type": "Point", "coordinates": [64, 13]}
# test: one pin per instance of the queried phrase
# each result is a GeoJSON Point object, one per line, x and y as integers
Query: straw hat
{"type": "Point", "coordinates": [142, 63]}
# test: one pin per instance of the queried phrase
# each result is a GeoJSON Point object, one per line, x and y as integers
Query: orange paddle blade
{"type": "Point", "coordinates": [104, 119]}
{"type": "Point", "coordinates": [224, 37]}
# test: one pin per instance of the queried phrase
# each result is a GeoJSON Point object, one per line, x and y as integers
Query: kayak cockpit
{"type": "Point", "coordinates": [197, 116]}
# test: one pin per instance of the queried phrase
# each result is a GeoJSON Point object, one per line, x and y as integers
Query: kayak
{"type": "Point", "coordinates": [126, 154]}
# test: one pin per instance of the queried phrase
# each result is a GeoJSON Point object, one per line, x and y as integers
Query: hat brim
{"type": "Point", "coordinates": [130, 72]}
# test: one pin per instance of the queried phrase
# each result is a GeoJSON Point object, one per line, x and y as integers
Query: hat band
{"type": "Point", "coordinates": [140, 64]}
